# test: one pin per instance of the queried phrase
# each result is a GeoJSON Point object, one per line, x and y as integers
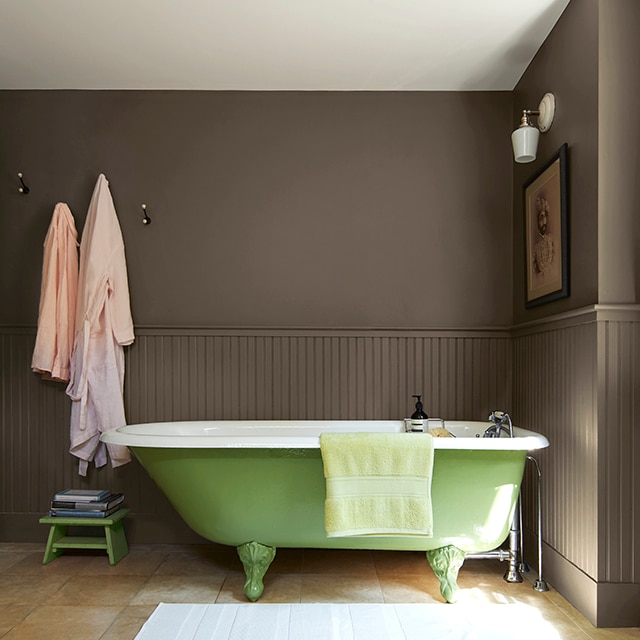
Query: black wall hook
{"type": "Point", "coordinates": [23, 189]}
{"type": "Point", "coordinates": [146, 219]}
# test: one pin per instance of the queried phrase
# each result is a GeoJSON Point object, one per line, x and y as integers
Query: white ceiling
{"type": "Point", "coordinates": [351, 45]}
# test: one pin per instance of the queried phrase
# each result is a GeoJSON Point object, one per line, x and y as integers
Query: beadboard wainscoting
{"type": "Point", "coordinates": [235, 374]}
{"type": "Point", "coordinates": [577, 380]}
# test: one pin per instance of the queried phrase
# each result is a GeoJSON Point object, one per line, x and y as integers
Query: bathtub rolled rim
{"type": "Point", "coordinates": [302, 434]}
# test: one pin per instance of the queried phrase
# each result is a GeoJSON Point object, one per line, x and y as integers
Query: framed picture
{"type": "Point", "coordinates": [546, 232]}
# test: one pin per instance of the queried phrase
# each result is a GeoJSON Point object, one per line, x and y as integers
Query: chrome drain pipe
{"type": "Point", "coordinates": [496, 554]}
{"type": "Point", "coordinates": [513, 554]}
{"type": "Point", "coordinates": [523, 567]}
{"type": "Point", "coordinates": [512, 574]}
{"type": "Point", "coordinates": [540, 584]}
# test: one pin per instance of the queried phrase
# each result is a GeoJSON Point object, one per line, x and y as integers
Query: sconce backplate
{"type": "Point", "coordinates": [547, 108]}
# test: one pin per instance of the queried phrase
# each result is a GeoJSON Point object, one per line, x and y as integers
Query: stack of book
{"type": "Point", "coordinates": [85, 503]}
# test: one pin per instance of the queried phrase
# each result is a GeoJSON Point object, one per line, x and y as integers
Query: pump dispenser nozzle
{"type": "Point", "coordinates": [419, 414]}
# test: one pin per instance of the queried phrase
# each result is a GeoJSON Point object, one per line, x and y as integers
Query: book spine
{"type": "Point", "coordinates": [87, 506]}
{"type": "Point", "coordinates": [74, 497]}
{"type": "Point", "coordinates": [72, 513]}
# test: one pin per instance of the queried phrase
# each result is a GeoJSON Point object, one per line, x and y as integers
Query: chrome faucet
{"type": "Point", "coordinates": [500, 421]}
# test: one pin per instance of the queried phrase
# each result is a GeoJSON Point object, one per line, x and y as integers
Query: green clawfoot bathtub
{"type": "Point", "coordinates": [259, 485]}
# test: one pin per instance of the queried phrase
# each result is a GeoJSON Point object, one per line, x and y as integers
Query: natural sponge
{"type": "Point", "coordinates": [439, 432]}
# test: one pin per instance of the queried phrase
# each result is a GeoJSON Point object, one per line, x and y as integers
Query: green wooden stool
{"type": "Point", "coordinates": [114, 540]}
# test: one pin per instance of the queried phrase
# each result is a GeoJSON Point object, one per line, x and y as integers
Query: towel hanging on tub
{"type": "Point", "coordinates": [377, 483]}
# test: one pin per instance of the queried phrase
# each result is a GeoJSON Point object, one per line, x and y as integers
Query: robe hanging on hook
{"type": "Point", "coordinates": [146, 219]}
{"type": "Point", "coordinates": [23, 189]}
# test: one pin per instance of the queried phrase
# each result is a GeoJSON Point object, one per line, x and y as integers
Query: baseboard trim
{"type": "Point", "coordinates": [618, 605]}
{"type": "Point", "coordinates": [605, 605]}
{"type": "Point", "coordinates": [569, 581]}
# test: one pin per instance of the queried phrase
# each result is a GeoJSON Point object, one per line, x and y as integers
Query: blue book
{"type": "Point", "coordinates": [82, 495]}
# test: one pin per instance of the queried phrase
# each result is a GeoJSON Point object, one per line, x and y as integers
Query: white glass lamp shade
{"type": "Point", "coordinates": [525, 143]}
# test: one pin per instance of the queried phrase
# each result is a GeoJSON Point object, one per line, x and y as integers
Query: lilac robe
{"type": "Point", "coordinates": [103, 326]}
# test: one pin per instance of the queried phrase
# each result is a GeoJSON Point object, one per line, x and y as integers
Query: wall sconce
{"type": "Point", "coordinates": [525, 137]}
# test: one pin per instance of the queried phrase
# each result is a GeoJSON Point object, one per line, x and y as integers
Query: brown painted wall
{"type": "Point", "coordinates": [285, 210]}
{"type": "Point", "coordinates": [273, 209]}
{"type": "Point", "coordinates": [619, 131]}
{"type": "Point", "coordinates": [567, 66]}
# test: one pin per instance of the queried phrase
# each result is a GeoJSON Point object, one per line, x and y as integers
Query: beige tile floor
{"type": "Point", "coordinates": [79, 596]}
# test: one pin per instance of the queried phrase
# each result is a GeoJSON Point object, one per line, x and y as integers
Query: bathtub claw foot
{"type": "Point", "coordinates": [256, 559]}
{"type": "Point", "coordinates": [446, 562]}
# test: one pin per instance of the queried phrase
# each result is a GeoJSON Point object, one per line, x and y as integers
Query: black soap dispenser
{"type": "Point", "coordinates": [417, 420]}
{"type": "Point", "coordinates": [419, 413]}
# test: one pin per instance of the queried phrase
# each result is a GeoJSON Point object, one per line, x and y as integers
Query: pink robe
{"type": "Point", "coordinates": [58, 292]}
{"type": "Point", "coordinates": [103, 326]}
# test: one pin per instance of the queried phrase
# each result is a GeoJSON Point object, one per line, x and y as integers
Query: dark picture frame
{"type": "Point", "coordinates": [546, 232]}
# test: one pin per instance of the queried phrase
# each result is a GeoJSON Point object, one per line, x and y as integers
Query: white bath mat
{"type": "Point", "coordinates": [345, 622]}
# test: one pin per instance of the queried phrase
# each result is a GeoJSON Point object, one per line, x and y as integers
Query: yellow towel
{"type": "Point", "coordinates": [377, 483]}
